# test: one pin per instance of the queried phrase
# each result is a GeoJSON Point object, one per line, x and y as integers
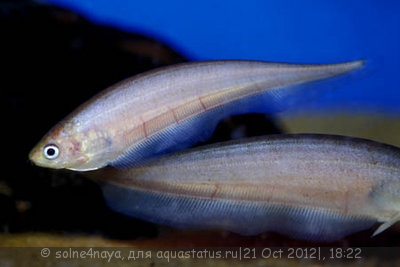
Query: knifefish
{"type": "Point", "coordinates": [306, 186]}
{"type": "Point", "coordinates": [169, 109]}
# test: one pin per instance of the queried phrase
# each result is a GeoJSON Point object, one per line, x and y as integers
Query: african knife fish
{"type": "Point", "coordinates": [169, 109]}
{"type": "Point", "coordinates": [314, 187]}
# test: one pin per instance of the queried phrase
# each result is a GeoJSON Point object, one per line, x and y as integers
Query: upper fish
{"type": "Point", "coordinates": [169, 109]}
{"type": "Point", "coordinates": [307, 186]}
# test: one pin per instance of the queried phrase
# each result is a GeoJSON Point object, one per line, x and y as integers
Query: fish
{"type": "Point", "coordinates": [306, 186]}
{"type": "Point", "coordinates": [170, 109]}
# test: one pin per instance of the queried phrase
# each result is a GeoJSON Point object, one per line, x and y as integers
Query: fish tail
{"type": "Point", "coordinates": [386, 225]}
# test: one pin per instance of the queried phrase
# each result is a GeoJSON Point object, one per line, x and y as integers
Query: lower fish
{"type": "Point", "coordinates": [306, 186]}
{"type": "Point", "coordinates": [170, 109]}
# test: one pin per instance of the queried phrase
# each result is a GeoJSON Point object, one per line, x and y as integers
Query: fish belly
{"type": "Point", "coordinates": [242, 217]}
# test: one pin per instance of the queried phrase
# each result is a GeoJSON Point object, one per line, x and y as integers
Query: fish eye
{"type": "Point", "coordinates": [50, 151]}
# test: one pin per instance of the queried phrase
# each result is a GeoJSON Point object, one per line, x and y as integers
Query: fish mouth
{"type": "Point", "coordinates": [36, 158]}
{"type": "Point", "coordinates": [33, 156]}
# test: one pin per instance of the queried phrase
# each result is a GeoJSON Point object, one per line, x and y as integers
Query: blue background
{"type": "Point", "coordinates": [274, 30]}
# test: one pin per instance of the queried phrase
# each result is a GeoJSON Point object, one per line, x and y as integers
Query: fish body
{"type": "Point", "coordinates": [313, 187]}
{"type": "Point", "coordinates": [169, 109]}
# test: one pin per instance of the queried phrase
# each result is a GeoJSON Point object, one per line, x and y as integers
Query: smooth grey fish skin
{"type": "Point", "coordinates": [313, 187]}
{"type": "Point", "coordinates": [170, 109]}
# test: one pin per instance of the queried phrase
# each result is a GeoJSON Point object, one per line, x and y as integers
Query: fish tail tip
{"type": "Point", "coordinates": [386, 225]}
{"type": "Point", "coordinates": [348, 66]}
{"type": "Point", "coordinates": [361, 62]}
{"type": "Point", "coordinates": [357, 63]}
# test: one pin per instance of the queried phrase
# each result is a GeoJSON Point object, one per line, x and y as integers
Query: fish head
{"type": "Point", "coordinates": [63, 147]}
